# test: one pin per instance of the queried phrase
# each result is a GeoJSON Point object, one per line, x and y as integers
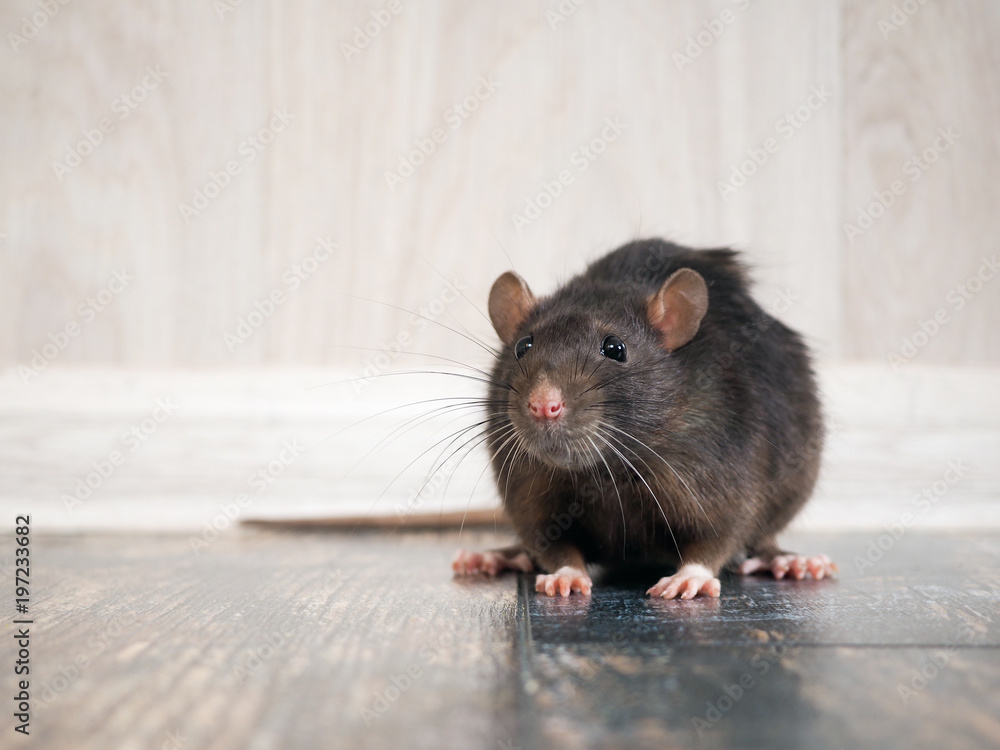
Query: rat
{"type": "Point", "coordinates": [649, 412]}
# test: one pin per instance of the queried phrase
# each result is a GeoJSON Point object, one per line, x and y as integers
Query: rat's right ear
{"type": "Point", "coordinates": [677, 309]}
{"type": "Point", "coordinates": [511, 301]}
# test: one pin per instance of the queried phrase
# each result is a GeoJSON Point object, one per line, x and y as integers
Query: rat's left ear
{"type": "Point", "coordinates": [677, 309]}
{"type": "Point", "coordinates": [511, 302]}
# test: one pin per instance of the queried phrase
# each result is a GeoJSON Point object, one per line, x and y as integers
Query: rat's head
{"type": "Point", "coordinates": [582, 371]}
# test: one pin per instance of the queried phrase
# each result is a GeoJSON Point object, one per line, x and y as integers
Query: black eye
{"type": "Point", "coordinates": [613, 348]}
{"type": "Point", "coordinates": [522, 346]}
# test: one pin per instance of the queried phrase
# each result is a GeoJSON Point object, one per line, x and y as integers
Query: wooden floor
{"type": "Point", "coordinates": [315, 639]}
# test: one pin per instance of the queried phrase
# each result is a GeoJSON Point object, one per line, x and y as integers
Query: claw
{"type": "Point", "coordinates": [491, 562]}
{"type": "Point", "coordinates": [818, 566]}
{"type": "Point", "coordinates": [692, 579]}
{"type": "Point", "coordinates": [564, 582]}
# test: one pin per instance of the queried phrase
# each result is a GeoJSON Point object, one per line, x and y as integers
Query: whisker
{"type": "Point", "coordinates": [615, 485]}
{"type": "Point", "coordinates": [421, 419]}
{"type": "Point", "coordinates": [471, 494]}
{"type": "Point", "coordinates": [652, 494]}
{"type": "Point", "coordinates": [512, 456]}
{"type": "Point", "coordinates": [406, 352]}
{"type": "Point", "coordinates": [504, 430]}
{"type": "Point", "coordinates": [419, 456]}
{"type": "Point", "coordinates": [673, 470]}
{"type": "Point", "coordinates": [480, 436]}
{"type": "Point", "coordinates": [509, 259]}
{"type": "Point", "coordinates": [448, 281]}
{"type": "Point", "coordinates": [474, 340]}
{"type": "Point", "coordinates": [466, 403]}
{"type": "Point", "coordinates": [394, 373]}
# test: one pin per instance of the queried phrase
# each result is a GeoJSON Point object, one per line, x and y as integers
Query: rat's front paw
{"type": "Point", "coordinates": [468, 563]}
{"type": "Point", "coordinates": [563, 582]}
{"type": "Point", "coordinates": [796, 566]}
{"type": "Point", "coordinates": [692, 579]}
{"type": "Point", "coordinates": [492, 562]}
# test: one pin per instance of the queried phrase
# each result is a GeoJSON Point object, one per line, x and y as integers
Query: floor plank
{"type": "Point", "coordinates": [268, 640]}
{"type": "Point", "coordinates": [783, 664]}
{"type": "Point", "coordinates": [287, 639]}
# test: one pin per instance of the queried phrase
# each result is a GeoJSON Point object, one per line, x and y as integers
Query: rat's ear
{"type": "Point", "coordinates": [677, 309]}
{"type": "Point", "coordinates": [511, 301]}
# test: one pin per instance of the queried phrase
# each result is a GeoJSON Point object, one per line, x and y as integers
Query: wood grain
{"type": "Point", "coordinates": [267, 641]}
{"type": "Point", "coordinates": [324, 176]}
{"type": "Point", "coordinates": [286, 640]}
{"type": "Point", "coordinates": [936, 70]}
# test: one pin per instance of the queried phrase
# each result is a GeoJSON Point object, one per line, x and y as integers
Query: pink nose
{"type": "Point", "coordinates": [546, 402]}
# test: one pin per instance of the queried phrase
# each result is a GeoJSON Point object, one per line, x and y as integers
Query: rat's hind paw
{"type": "Point", "coordinates": [795, 566]}
{"type": "Point", "coordinates": [689, 581]}
{"type": "Point", "coordinates": [492, 562]}
{"type": "Point", "coordinates": [563, 582]}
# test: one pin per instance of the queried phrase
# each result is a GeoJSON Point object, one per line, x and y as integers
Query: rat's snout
{"type": "Point", "coordinates": [546, 401]}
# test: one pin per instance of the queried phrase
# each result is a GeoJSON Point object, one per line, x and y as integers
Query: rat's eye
{"type": "Point", "coordinates": [613, 348]}
{"type": "Point", "coordinates": [522, 346]}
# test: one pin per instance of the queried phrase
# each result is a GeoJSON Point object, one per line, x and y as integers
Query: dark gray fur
{"type": "Point", "coordinates": [734, 412]}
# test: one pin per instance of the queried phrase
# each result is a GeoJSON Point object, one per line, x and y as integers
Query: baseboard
{"type": "Point", "coordinates": [174, 450]}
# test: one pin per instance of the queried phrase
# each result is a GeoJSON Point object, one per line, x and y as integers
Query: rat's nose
{"type": "Point", "coordinates": [546, 402]}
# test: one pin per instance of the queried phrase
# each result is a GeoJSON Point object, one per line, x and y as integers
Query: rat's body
{"type": "Point", "coordinates": [649, 414]}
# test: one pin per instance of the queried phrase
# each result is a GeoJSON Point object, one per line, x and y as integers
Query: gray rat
{"type": "Point", "coordinates": [651, 412]}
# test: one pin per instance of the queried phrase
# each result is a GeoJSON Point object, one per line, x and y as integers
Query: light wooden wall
{"type": "Point", "coordinates": [324, 175]}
